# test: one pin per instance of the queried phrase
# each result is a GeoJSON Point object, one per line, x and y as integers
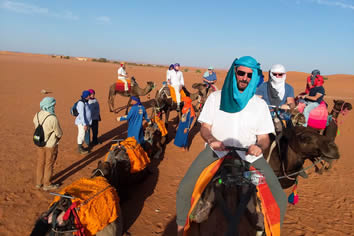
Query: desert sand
{"type": "Point", "coordinates": [326, 204]}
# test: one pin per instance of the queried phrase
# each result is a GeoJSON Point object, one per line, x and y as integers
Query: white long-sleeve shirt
{"type": "Point", "coordinates": [176, 78]}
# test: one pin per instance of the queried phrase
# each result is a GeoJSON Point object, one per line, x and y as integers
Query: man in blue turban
{"type": "Point", "coordinates": [135, 118]}
{"type": "Point", "coordinates": [233, 117]}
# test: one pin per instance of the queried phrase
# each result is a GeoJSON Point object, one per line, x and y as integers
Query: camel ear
{"type": "Point", "coordinates": [328, 148]}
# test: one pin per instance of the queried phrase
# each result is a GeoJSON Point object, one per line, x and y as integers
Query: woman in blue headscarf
{"type": "Point", "coordinates": [135, 118]}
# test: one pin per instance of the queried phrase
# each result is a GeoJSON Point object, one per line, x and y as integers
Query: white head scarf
{"type": "Point", "coordinates": [278, 83]}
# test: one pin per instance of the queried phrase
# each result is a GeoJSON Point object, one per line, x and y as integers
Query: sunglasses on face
{"type": "Point", "coordinates": [242, 73]}
{"type": "Point", "coordinates": [278, 74]}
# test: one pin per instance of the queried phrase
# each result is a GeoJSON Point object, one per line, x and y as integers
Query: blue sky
{"type": "Point", "coordinates": [300, 34]}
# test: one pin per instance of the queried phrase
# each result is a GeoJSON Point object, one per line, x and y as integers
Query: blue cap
{"type": "Point", "coordinates": [85, 94]}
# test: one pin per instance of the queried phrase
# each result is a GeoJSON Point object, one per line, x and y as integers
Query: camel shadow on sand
{"type": "Point", "coordinates": [132, 197]}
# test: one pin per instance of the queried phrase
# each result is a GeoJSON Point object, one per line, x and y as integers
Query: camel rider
{"type": "Point", "coordinates": [123, 75]}
{"type": "Point", "coordinates": [276, 92]}
{"type": "Point", "coordinates": [310, 81]}
{"type": "Point", "coordinates": [314, 98]}
{"type": "Point", "coordinates": [168, 76]}
{"type": "Point", "coordinates": [209, 78]}
{"type": "Point", "coordinates": [177, 82]}
{"type": "Point", "coordinates": [233, 117]}
{"type": "Point", "coordinates": [135, 118]}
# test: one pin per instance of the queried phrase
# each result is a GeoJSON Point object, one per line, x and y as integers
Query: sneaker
{"type": "Point", "coordinates": [50, 187]}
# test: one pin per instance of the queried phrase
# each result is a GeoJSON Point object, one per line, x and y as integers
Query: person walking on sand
{"type": "Point", "coordinates": [95, 114]}
{"type": "Point", "coordinates": [47, 155]}
{"type": "Point", "coordinates": [188, 115]}
{"type": "Point", "coordinates": [135, 120]}
{"type": "Point", "coordinates": [123, 75]}
{"type": "Point", "coordinates": [233, 117]}
{"type": "Point", "coordinates": [83, 120]}
{"type": "Point", "coordinates": [177, 82]}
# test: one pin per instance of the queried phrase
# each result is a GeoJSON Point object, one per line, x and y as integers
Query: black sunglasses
{"type": "Point", "coordinates": [242, 73]}
{"type": "Point", "coordinates": [278, 74]}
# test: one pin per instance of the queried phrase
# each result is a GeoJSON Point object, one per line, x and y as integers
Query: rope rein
{"type": "Point", "coordinates": [303, 170]}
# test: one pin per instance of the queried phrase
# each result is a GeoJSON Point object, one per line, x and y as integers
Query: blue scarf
{"type": "Point", "coordinates": [137, 100]}
{"type": "Point", "coordinates": [48, 104]}
{"type": "Point", "coordinates": [232, 100]}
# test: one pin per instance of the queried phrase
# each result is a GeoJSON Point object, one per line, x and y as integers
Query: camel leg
{"type": "Point", "coordinates": [111, 101]}
{"type": "Point", "coordinates": [128, 105]}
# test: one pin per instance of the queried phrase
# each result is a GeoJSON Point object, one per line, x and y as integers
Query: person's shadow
{"type": "Point", "coordinates": [171, 228]}
{"type": "Point", "coordinates": [116, 133]}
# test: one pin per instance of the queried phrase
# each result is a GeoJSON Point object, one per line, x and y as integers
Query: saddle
{"type": "Point", "coordinates": [173, 93]}
{"type": "Point", "coordinates": [203, 196]}
{"type": "Point", "coordinates": [120, 85]}
{"type": "Point", "coordinates": [94, 205]}
{"type": "Point", "coordinates": [137, 156]}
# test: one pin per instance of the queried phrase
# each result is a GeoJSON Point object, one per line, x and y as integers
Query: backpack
{"type": "Point", "coordinates": [38, 136]}
{"type": "Point", "coordinates": [73, 109]}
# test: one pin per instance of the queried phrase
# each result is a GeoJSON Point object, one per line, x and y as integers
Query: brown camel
{"type": "Point", "coordinates": [154, 141]}
{"type": "Point", "coordinates": [219, 211]}
{"type": "Point", "coordinates": [165, 104]}
{"type": "Point", "coordinates": [134, 91]}
{"type": "Point", "coordinates": [339, 107]}
{"type": "Point", "coordinates": [67, 227]}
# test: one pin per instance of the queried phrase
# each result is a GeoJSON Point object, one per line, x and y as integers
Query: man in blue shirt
{"type": "Point", "coordinates": [135, 120]}
{"type": "Point", "coordinates": [210, 79]}
{"type": "Point", "coordinates": [276, 92]}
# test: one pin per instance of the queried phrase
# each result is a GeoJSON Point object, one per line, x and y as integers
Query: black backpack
{"type": "Point", "coordinates": [38, 136]}
{"type": "Point", "coordinates": [73, 109]}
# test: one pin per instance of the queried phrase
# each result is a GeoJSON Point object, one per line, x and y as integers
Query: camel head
{"type": "Point", "coordinates": [341, 106]}
{"type": "Point", "coordinates": [201, 87]}
{"type": "Point", "coordinates": [309, 144]}
{"type": "Point", "coordinates": [297, 118]}
{"type": "Point", "coordinates": [103, 169]}
{"type": "Point", "coordinates": [149, 132]}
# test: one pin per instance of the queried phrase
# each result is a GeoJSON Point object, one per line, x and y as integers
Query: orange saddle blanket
{"type": "Point", "coordinates": [173, 93]}
{"type": "Point", "coordinates": [270, 208]}
{"type": "Point", "coordinates": [137, 156]}
{"type": "Point", "coordinates": [120, 85]}
{"type": "Point", "coordinates": [98, 203]}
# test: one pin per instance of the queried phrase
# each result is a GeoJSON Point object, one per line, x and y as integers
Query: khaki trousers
{"type": "Point", "coordinates": [45, 164]}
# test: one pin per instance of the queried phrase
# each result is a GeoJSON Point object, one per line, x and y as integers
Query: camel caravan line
{"type": "Point", "coordinates": [229, 197]}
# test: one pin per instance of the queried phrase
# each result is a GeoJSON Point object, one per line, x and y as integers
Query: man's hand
{"type": "Point", "coordinates": [254, 150]}
{"type": "Point", "coordinates": [217, 145]}
{"type": "Point", "coordinates": [118, 118]}
{"type": "Point", "coordinates": [85, 127]}
{"type": "Point", "coordinates": [285, 107]}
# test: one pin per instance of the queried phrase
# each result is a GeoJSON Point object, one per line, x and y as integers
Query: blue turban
{"type": "Point", "coordinates": [232, 100]}
{"type": "Point", "coordinates": [136, 99]}
{"type": "Point", "coordinates": [85, 94]}
{"type": "Point", "coordinates": [171, 67]}
{"type": "Point", "coordinates": [176, 64]}
{"type": "Point", "coordinates": [48, 104]}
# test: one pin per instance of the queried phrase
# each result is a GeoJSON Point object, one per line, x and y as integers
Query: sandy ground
{"type": "Point", "coordinates": [326, 205]}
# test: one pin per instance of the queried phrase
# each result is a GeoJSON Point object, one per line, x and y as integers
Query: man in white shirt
{"type": "Point", "coordinates": [123, 75]}
{"type": "Point", "coordinates": [234, 117]}
{"type": "Point", "coordinates": [175, 77]}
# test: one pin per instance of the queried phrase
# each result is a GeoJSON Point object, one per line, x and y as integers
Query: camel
{"type": "Point", "coordinates": [164, 103]}
{"type": "Point", "coordinates": [154, 141]}
{"type": "Point", "coordinates": [219, 212]}
{"type": "Point", "coordinates": [134, 91]}
{"type": "Point", "coordinates": [339, 107]}
{"type": "Point", "coordinates": [44, 227]}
